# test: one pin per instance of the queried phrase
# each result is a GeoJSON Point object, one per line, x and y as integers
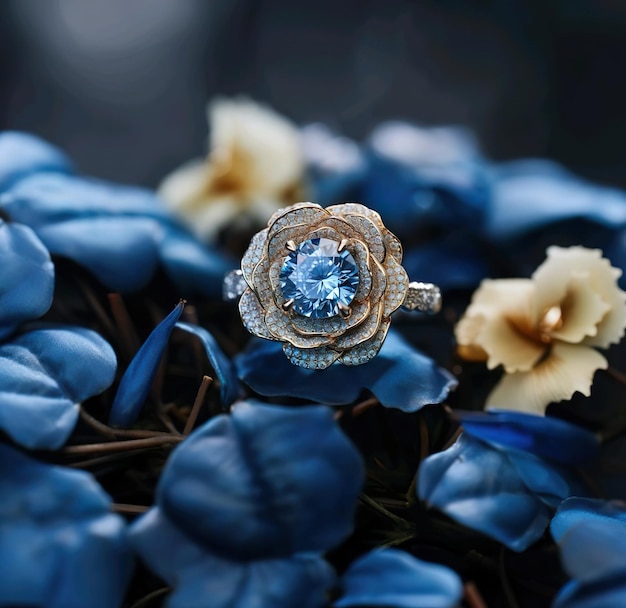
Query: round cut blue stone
{"type": "Point", "coordinates": [318, 278]}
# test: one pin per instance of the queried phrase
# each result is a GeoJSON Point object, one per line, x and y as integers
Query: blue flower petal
{"type": "Point", "coordinates": [265, 482]}
{"type": "Point", "coordinates": [395, 579]}
{"type": "Point", "coordinates": [119, 233]}
{"type": "Point", "coordinates": [113, 231]}
{"type": "Point", "coordinates": [60, 546]}
{"type": "Point", "coordinates": [545, 437]}
{"type": "Point", "coordinates": [26, 278]}
{"type": "Point", "coordinates": [127, 265]}
{"type": "Point", "coordinates": [582, 511]}
{"type": "Point", "coordinates": [230, 387]}
{"type": "Point", "coordinates": [608, 592]}
{"type": "Point", "coordinates": [200, 576]}
{"type": "Point", "coordinates": [137, 379]}
{"type": "Point", "coordinates": [47, 198]}
{"type": "Point", "coordinates": [531, 193]}
{"type": "Point", "coordinates": [505, 495]}
{"type": "Point", "coordinates": [399, 376]}
{"type": "Point", "coordinates": [192, 266]}
{"type": "Point", "coordinates": [419, 176]}
{"type": "Point", "coordinates": [22, 154]}
{"type": "Point", "coordinates": [44, 375]}
{"type": "Point", "coordinates": [549, 481]}
{"type": "Point", "coordinates": [591, 536]}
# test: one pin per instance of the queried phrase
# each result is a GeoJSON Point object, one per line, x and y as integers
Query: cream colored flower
{"type": "Point", "coordinates": [542, 330]}
{"type": "Point", "coordinates": [353, 338]}
{"type": "Point", "coordinates": [255, 166]}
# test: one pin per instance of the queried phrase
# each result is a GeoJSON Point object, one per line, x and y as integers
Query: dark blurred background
{"type": "Point", "coordinates": [122, 84]}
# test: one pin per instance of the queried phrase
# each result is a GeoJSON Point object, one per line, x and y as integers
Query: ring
{"type": "Point", "coordinates": [324, 282]}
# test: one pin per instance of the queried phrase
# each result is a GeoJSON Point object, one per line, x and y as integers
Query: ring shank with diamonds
{"type": "Point", "coordinates": [324, 282]}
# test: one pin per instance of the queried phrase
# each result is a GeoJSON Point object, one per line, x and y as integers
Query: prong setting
{"type": "Point", "coordinates": [287, 304]}
{"type": "Point", "coordinates": [344, 310]}
{"type": "Point", "coordinates": [290, 246]}
{"type": "Point", "coordinates": [342, 245]}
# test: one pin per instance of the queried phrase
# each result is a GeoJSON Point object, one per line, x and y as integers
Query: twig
{"type": "Point", "coordinates": [113, 433]}
{"type": "Point", "coordinates": [452, 439]}
{"type": "Point", "coordinates": [424, 439]}
{"type": "Point", "coordinates": [129, 341]}
{"type": "Point", "coordinates": [472, 596]}
{"type": "Point", "coordinates": [97, 309]}
{"type": "Point", "coordinates": [122, 446]}
{"type": "Point", "coordinates": [362, 407]}
{"type": "Point", "coordinates": [509, 595]}
{"type": "Point", "coordinates": [147, 599]}
{"type": "Point", "coordinates": [616, 374]}
{"type": "Point", "coordinates": [197, 404]}
{"type": "Point", "coordinates": [118, 507]}
{"type": "Point", "coordinates": [394, 542]}
{"type": "Point", "coordinates": [370, 502]}
{"type": "Point", "coordinates": [92, 462]}
{"type": "Point", "coordinates": [166, 421]}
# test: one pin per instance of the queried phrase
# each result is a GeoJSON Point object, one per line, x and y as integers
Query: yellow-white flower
{"type": "Point", "coordinates": [255, 165]}
{"type": "Point", "coordinates": [543, 330]}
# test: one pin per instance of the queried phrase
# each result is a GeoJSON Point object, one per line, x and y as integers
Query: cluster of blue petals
{"type": "Point", "coordinates": [249, 505]}
{"type": "Point", "coordinates": [101, 226]}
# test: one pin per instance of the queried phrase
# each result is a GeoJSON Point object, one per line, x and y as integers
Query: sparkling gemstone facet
{"type": "Point", "coordinates": [318, 278]}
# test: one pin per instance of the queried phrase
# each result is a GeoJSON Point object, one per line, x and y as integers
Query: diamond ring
{"type": "Point", "coordinates": [324, 282]}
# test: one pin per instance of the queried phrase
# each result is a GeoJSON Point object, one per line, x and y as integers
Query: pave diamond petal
{"type": "Point", "coordinates": [319, 278]}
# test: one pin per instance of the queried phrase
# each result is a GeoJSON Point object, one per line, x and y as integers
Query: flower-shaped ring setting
{"type": "Point", "coordinates": [324, 282]}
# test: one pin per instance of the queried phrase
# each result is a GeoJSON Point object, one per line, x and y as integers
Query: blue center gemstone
{"type": "Point", "coordinates": [318, 278]}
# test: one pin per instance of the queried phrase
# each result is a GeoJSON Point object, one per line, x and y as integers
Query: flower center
{"type": "Point", "coordinates": [551, 321]}
{"type": "Point", "coordinates": [320, 279]}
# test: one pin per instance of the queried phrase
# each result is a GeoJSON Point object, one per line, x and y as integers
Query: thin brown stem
{"type": "Point", "coordinates": [370, 502]}
{"type": "Point", "coordinates": [129, 341]}
{"type": "Point", "coordinates": [424, 439]}
{"type": "Point", "coordinates": [472, 596]}
{"type": "Point", "coordinates": [148, 599]}
{"type": "Point", "coordinates": [452, 439]}
{"type": "Point", "coordinates": [197, 404]}
{"type": "Point", "coordinates": [166, 421]}
{"type": "Point", "coordinates": [362, 407]}
{"type": "Point", "coordinates": [113, 433]}
{"type": "Point", "coordinates": [616, 374]}
{"type": "Point", "coordinates": [118, 507]}
{"type": "Point", "coordinates": [98, 309]}
{"type": "Point", "coordinates": [122, 446]}
{"type": "Point", "coordinates": [509, 594]}
{"type": "Point", "coordinates": [107, 458]}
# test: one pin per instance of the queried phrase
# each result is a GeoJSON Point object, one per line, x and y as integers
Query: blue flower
{"type": "Point", "coordinates": [26, 280]}
{"type": "Point", "coordinates": [399, 376]}
{"type": "Point", "coordinates": [395, 579]}
{"type": "Point", "coordinates": [530, 194]}
{"type": "Point", "coordinates": [60, 546]}
{"type": "Point", "coordinates": [591, 535]}
{"type": "Point", "coordinates": [45, 371]}
{"type": "Point", "coordinates": [432, 176]}
{"type": "Point", "coordinates": [121, 234]}
{"type": "Point", "coordinates": [546, 437]}
{"type": "Point", "coordinates": [505, 493]}
{"type": "Point", "coordinates": [246, 506]}
{"type": "Point", "coordinates": [22, 154]}
{"type": "Point", "coordinates": [430, 185]}
{"type": "Point", "coordinates": [411, 175]}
